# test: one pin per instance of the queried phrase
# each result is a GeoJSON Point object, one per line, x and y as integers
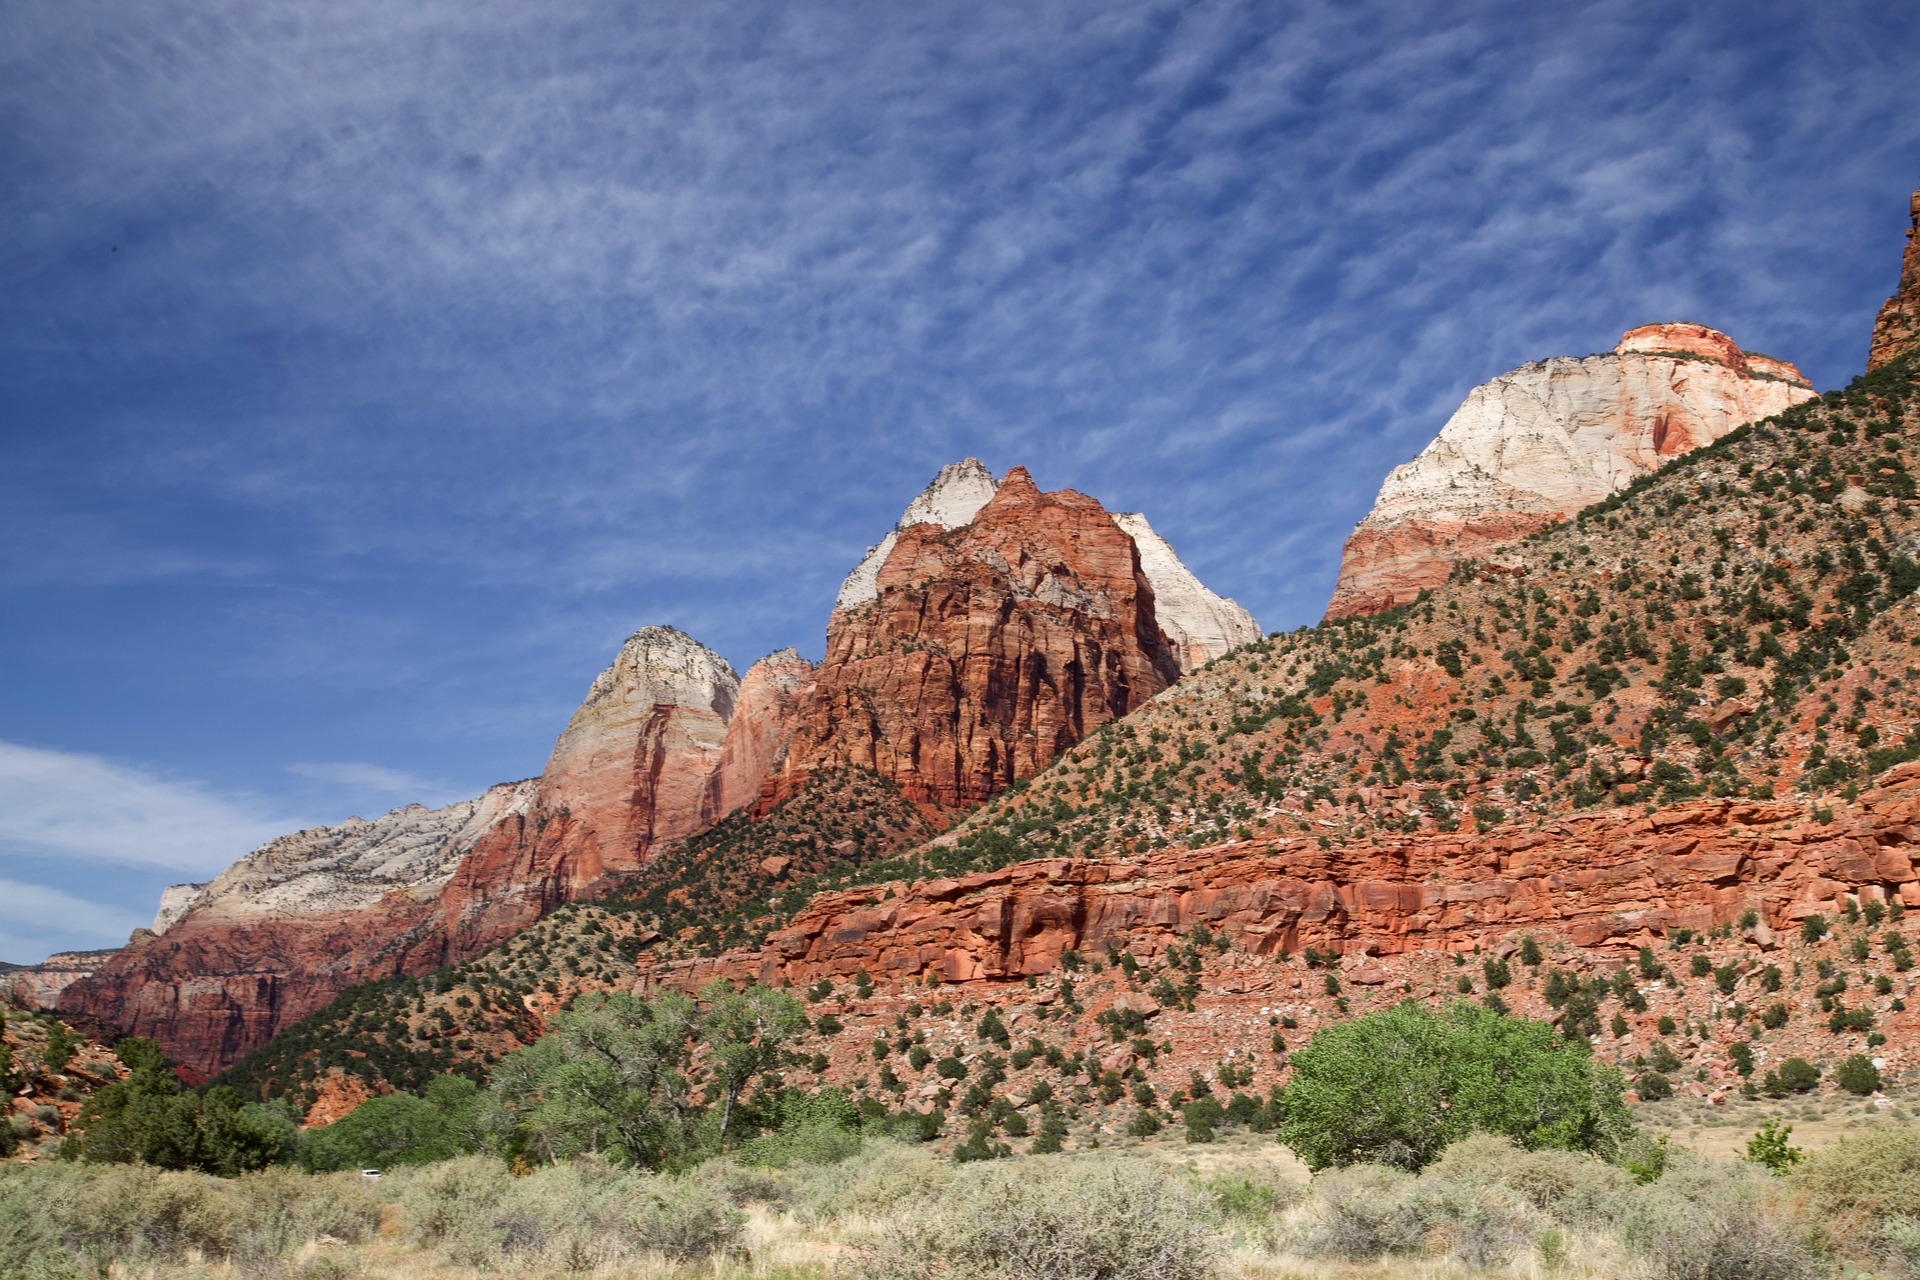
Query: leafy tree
{"type": "Point", "coordinates": [1795, 1075]}
{"type": "Point", "coordinates": [62, 1044]}
{"type": "Point", "coordinates": [1399, 1085]}
{"type": "Point", "coordinates": [1770, 1147]}
{"type": "Point", "coordinates": [147, 1118]}
{"type": "Point", "coordinates": [609, 1077]}
{"type": "Point", "coordinates": [1857, 1074]}
{"type": "Point", "coordinates": [402, 1128]}
{"type": "Point", "coordinates": [744, 1032]}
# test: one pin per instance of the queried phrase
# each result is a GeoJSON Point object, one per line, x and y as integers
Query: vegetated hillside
{"type": "Point", "coordinates": [1739, 624]}
{"type": "Point", "coordinates": [47, 1072]}
{"type": "Point", "coordinates": [722, 888]}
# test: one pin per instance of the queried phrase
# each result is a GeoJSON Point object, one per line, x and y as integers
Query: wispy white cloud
{"type": "Point", "coordinates": [77, 807]}
{"type": "Point", "coordinates": [36, 921]}
{"type": "Point", "coordinates": [372, 777]}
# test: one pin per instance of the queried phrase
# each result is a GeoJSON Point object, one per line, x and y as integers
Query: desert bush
{"type": "Point", "coordinates": [1704, 1221]}
{"type": "Point", "coordinates": [567, 1217]}
{"type": "Point", "coordinates": [1250, 1196]}
{"type": "Point", "coordinates": [1572, 1189]}
{"type": "Point", "coordinates": [1861, 1182]}
{"type": "Point", "coordinates": [1364, 1211]}
{"type": "Point", "coordinates": [1484, 1225]}
{"type": "Point", "coordinates": [1899, 1245]}
{"type": "Point", "coordinates": [875, 1183]}
{"type": "Point", "coordinates": [1049, 1220]}
{"type": "Point", "coordinates": [69, 1220]}
{"type": "Point", "coordinates": [276, 1211]}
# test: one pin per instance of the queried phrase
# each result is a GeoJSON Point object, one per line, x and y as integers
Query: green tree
{"type": "Point", "coordinates": [1857, 1074]}
{"type": "Point", "coordinates": [149, 1119]}
{"type": "Point", "coordinates": [1399, 1085]}
{"type": "Point", "coordinates": [744, 1033]}
{"type": "Point", "coordinates": [402, 1129]}
{"type": "Point", "coordinates": [1770, 1147]}
{"type": "Point", "coordinates": [609, 1077]}
{"type": "Point", "coordinates": [62, 1044]}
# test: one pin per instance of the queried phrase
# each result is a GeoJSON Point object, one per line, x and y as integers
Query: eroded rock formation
{"type": "Point", "coordinates": [1534, 446]}
{"type": "Point", "coordinates": [985, 650]}
{"type": "Point", "coordinates": [288, 927]}
{"type": "Point", "coordinates": [1611, 879]}
{"type": "Point", "coordinates": [1897, 330]}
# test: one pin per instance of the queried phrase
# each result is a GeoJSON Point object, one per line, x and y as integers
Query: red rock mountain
{"type": "Point", "coordinates": [985, 650]}
{"type": "Point", "coordinates": [1897, 330]}
{"type": "Point", "coordinates": [1533, 446]}
{"type": "Point", "coordinates": [1002, 625]}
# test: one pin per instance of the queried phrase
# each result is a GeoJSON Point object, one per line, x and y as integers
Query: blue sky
{"type": "Point", "coordinates": [373, 369]}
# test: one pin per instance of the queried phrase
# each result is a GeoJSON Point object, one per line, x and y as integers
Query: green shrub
{"type": "Point", "coordinates": [1048, 1220]}
{"type": "Point", "coordinates": [1860, 1181]}
{"type": "Point", "coordinates": [1571, 1188]}
{"type": "Point", "coordinates": [1770, 1148]}
{"type": "Point", "coordinates": [1714, 1222]}
{"type": "Point", "coordinates": [1400, 1085]}
{"type": "Point", "coordinates": [1857, 1074]}
{"type": "Point", "coordinates": [874, 1183]}
{"type": "Point", "coordinates": [1364, 1211]}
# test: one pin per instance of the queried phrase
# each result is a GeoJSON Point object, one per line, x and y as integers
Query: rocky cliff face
{"type": "Point", "coordinates": [1897, 331]}
{"type": "Point", "coordinates": [1199, 625]}
{"type": "Point", "coordinates": [755, 747]}
{"type": "Point", "coordinates": [289, 926]}
{"type": "Point", "coordinates": [1533, 446]}
{"type": "Point", "coordinates": [992, 628]}
{"type": "Point", "coordinates": [985, 649]}
{"type": "Point", "coordinates": [1617, 878]}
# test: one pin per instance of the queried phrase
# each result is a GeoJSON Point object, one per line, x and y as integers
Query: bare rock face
{"type": "Point", "coordinates": [285, 929]}
{"type": "Point", "coordinates": [1611, 879]}
{"type": "Point", "coordinates": [984, 650]}
{"type": "Point", "coordinates": [1897, 330]}
{"type": "Point", "coordinates": [1197, 623]}
{"type": "Point", "coordinates": [1534, 446]}
{"type": "Point", "coordinates": [953, 499]}
{"type": "Point", "coordinates": [764, 716]}
{"type": "Point", "coordinates": [38, 986]}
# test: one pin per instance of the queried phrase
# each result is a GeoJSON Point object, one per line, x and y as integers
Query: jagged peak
{"type": "Point", "coordinates": [951, 501]}
{"type": "Point", "coordinates": [1199, 623]}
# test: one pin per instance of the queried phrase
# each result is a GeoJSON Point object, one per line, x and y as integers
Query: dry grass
{"type": "Point", "coordinates": [1236, 1210]}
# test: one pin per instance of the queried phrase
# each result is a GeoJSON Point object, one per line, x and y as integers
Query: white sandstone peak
{"type": "Point", "coordinates": [1199, 624]}
{"type": "Point", "coordinates": [951, 501]}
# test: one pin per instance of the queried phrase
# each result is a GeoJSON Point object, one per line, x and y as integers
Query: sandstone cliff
{"type": "Point", "coordinates": [1199, 625]}
{"type": "Point", "coordinates": [985, 649]}
{"type": "Point", "coordinates": [1897, 330]}
{"type": "Point", "coordinates": [1533, 446]}
{"type": "Point", "coordinates": [994, 627]}
{"type": "Point", "coordinates": [289, 926]}
{"type": "Point", "coordinates": [756, 743]}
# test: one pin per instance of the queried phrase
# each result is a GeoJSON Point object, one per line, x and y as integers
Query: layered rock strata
{"type": "Point", "coordinates": [1896, 332]}
{"type": "Point", "coordinates": [288, 927]}
{"type": "Point", "coordinates": [994, 627]}
{"type": "Point", "coordinates": [1613, 879]}
{"type": "Point", "coordinates": [984, 651]}
{"type": "Point", "coordinates": [1199, 625]}
{"type": "Point", "coordinates": [1534, 446]}
{"type": "Point", "coordinates": [38, 986]}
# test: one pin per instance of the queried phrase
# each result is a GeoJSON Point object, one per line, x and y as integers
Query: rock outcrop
{"type": "Point", "coordinates": [1536, 445]}
{"type": "Point", "coordinates": [994, 627]}
{"type": "Point", "coordinates": [285, 929]}
{"type": "Point", "coordinates": [1617, 878]}
{"type": "Point", "coordinates": [38, 986]}
{"type": "Point", "coordinates": [765, 713]}
{"type": "Point", "coordinates": [1199, 625]}
{"type": "Point", "coordinates": [984, 649]}
{"type": "Point", "coordinates": [1897, 330]}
